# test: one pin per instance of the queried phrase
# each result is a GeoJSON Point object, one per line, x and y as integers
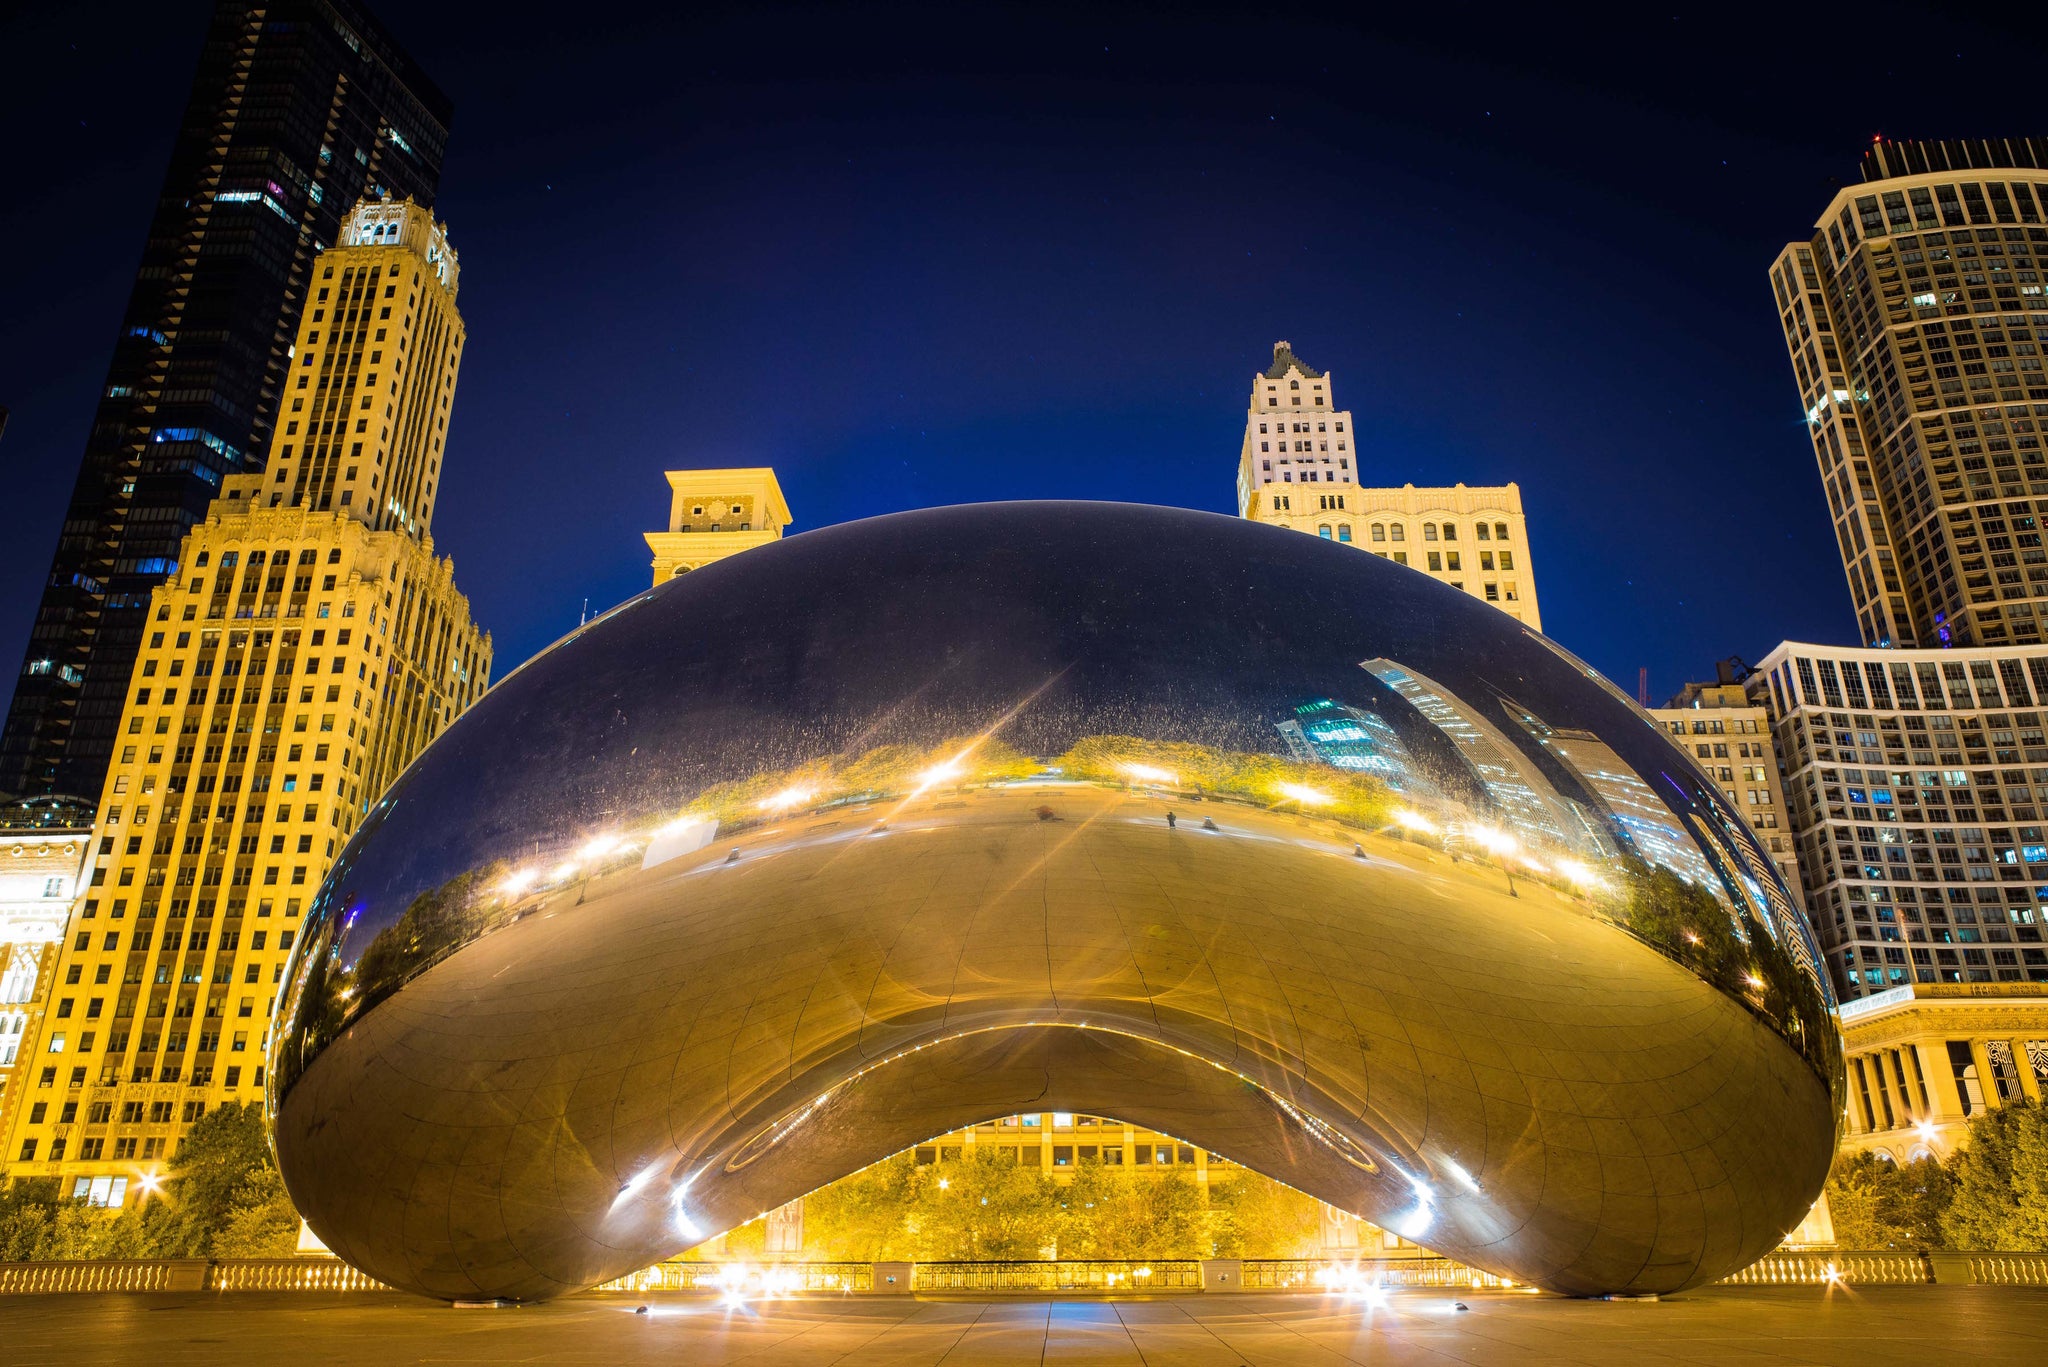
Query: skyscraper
{"type": "Point", "coordinates": [299, 108]}
{"type": "Point", "coordinates": [310, 645]}
{"type": "Point", "coordinates": [1472, 538]}
{"type": "Point", "coordinates": [1917, 783]}
{"type": "Point", "coordinates": [1915, 321]}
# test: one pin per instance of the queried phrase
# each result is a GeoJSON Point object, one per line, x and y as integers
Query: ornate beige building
{"type": "Point", "coordinates": [1925, 1057]}
{"type": "Point", "coordinates": [308, 646]}
{"type": "Point", "coordinates": [39, 873]}
{"type": "Point", "coordinates": [1472, 538]}
{"type": "Point", "coordinates": [716, 513]}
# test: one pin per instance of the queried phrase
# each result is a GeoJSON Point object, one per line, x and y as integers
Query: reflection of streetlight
{"type": "Point", "coordinates": [1582, 875]}
{"type": "Point", "coordinates": [786, 799]}
{"type": "Point", "coordinates": [517, 882]}
{"type": "Point", "coordinates": [1306, 796]}
{"type": "Point", "coordinates": [937, 774]}
{"type": "Point", "coordinates": [1492, 840]}
{"type": "Point", "coordinates": [1500, 844]}
{"type": "Point", "coordinates": [1146, 773]}
{"type": "Point", "coordinates": [600, 846]}
{"type": "Point", "coordinates": [1410, 820]}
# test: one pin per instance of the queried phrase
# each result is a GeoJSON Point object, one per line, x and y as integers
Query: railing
{"type": "Point", "coordinates": [2007, 1269]}
{"type": "Point", "coordinates": [1311, 1274]}
{"type": "Point", "coordinates": [777, 1278]}
{"type": "Point", "coordinates": [159, 1274]}
{"type": "Point", "coordinates": [1822, 1269]}
{"type": "Point", "coordinates": [1165, 1274]}
{"type": "Point", "coordinates": [1784, 1268]}
{"type": "Point", "coordinates": [288, 1274]}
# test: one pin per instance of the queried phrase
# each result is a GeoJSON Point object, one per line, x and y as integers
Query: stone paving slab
{"type": "Point", "coordinates": [1932, 1326]}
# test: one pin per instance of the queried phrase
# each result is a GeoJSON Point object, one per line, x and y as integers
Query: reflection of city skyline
{"type": "Point", "coordinates": [1494, 763]}
{"type": "Point", "coordinates": [1344, 737]}
{"type": "Point", "coordinates": [1643, 822]}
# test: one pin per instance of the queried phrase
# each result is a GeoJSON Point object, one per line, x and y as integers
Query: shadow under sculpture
{"type": "Point", "coordinates": [863, 837]}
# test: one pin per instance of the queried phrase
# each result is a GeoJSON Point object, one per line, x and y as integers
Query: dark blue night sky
{"type": "Point", "coordinates": [913, 257]}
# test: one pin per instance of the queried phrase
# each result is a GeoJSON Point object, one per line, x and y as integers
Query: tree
{"type": "Point", "coordinates": [224, 1197]}
{"type": "Point", "coordinates": [861, 1218]}
{"type": "Point", "coordinates": [2001, 1178]}
{"type": "Point", "coordinates": [1876, 1203]}
{"type": "Point", "coordinates": [261, 1220]}
{"type": "Point", "coordinates": [1254, 1216]}
{"type": "Point", "coordinates": [991, 1206]}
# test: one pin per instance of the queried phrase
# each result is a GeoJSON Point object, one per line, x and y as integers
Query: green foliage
{"type": "Point", "coordinates": [1116, 1212]}
{"type": "Point", "coordinates": [2001, 1182]}
{"type": "Point", "coordinates": [990, 1207]}
{"type": "Point", "coordinates": [984, 1205]}
{"type": "Point", "coordinates": [1254, 1216]}
{"type": "Point", "coordinates": [222, 1198]}
{"type": "Point", "coordinates": [1876, 1203]}
{"type": "Point", "coordinates": [861, 1218]}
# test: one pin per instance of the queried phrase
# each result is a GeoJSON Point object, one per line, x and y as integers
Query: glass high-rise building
{"type": "Point", "coordinates": [299, 109]}
{"type": "Point", "coordinates": [1916, 324]}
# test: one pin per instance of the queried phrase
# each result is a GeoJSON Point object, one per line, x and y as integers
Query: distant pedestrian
{"type": "Point", "coordinates": [1170, 822]}
{"type": "Point", "coordinates": [1358, 850]}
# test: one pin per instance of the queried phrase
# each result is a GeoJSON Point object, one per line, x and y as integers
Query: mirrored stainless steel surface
{"type": "Point", "coordinates": [911, 823]}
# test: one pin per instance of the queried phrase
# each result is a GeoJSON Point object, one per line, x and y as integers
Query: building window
{"type": "Point", "coordinates": [1436, 560]}
{"type": "Point", "coordinates": [1344, 533]}
{"type": "Point", "coordinates": [1429, 531]}
{"type": "Point", "coordinates": [1324, 531]}
{"type": "Point", "coordinates": [1379, 531]}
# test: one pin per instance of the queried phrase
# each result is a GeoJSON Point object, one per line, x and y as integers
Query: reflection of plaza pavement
{"type": "Point", "coordinates": [1873, 1327]}
{"type": "Point", "coordinates": [1620, 1117]}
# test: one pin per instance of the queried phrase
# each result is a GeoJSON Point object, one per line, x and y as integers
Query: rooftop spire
{"type": "Point", "coordinates": [1284, 357]}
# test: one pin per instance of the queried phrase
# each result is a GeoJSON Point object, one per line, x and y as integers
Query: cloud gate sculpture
{"type": "Point", "coordinates": [904, 825]}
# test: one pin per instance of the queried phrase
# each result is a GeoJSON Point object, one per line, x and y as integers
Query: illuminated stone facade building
{"type": "Point", "coordinates": [1917, 788]}
{"type": "Point", "coordinates": [1925, 1057]}
{"type": "Point", "coordinates": [298, 109]}
{"type": "Point", "coordinates": [1916, 324]}
{"type": "Point", "coordinates": [716, 513]}
{"type": "Point", "coordinates": [310, 645]}
{"type": "Point", "coordinates": [39, 872]}
{"type": "Point", "coordinates": [1472, 538]}
{"type": "Point", "coordinates": [1730, 737]}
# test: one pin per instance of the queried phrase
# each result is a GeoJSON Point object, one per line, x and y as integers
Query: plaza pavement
{"type": "Point", "coordinates": [1931, 1326]}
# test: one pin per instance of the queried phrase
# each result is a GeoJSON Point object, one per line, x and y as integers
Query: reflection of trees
{"type": "Point", "coordinates": [1732, 950]}
{"type": "Point", "coordinates": [1354, 798]}
{"type": "Point", "coordinates": [437, 921]}
{"type": "Point", "coordinates": [435, 924]}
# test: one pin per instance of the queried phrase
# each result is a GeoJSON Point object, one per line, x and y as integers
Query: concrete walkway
{"type": "Point", "coordinates": [1877, 1327]}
